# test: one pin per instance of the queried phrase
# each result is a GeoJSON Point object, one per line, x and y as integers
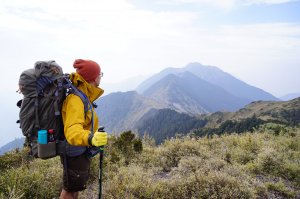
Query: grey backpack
{"type": "Point", "coordinates": [44, 89]}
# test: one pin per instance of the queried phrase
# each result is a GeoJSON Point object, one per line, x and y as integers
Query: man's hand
{"type": "Point", "coordinates": [99, 139]}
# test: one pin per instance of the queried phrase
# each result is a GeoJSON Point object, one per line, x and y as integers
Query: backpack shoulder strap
{"type": "Point", "coordinates": [87, 105]}
{"type": "Point", "coordinates": [71, 89]}
{"type": "Point", "coordinates": [82, 96]}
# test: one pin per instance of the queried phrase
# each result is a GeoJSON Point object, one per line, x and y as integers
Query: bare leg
{"type": "Point", "coordinates": [76, 194]}
{"type": "Point", "coordinates": [68, 195]}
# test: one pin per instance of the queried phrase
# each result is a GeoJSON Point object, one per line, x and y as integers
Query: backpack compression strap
{"type": "Point", "coordinates": [42, 82]}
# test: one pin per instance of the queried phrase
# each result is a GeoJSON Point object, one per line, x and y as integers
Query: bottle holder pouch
{"type": "Point", "coordinates": [46, 151]}
{"type": "Point", "coordinates": [52, 149]}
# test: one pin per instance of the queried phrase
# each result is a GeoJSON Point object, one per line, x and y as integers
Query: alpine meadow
{"type": "Point", "coordinates": [259, 164]}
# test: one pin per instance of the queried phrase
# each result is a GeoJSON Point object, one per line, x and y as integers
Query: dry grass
{"type": "Point", "coordinates": [263, 164]}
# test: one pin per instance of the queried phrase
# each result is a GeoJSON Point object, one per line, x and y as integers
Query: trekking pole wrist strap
{"type": "Point", "coordinates": [90, 139]}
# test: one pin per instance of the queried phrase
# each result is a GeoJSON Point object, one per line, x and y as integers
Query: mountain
{"type": "Point", "coordinates": [166, 123]}
{"type": "Point", "coordinates": [283, 112]}
{"type": "Point", "coordinates": [192, 90]}
{"type": "Point", "coordinates": [187, 93]}
{"type": "Point", "coordinates": [155, 78]}
{"type": "Point", "coordinates": [184, 93]}
{"type": "Point", "coordinates": [290, 96]}
{"type": "Point", "coordinates": [214, 76]}
{"type": "Point", "coordinates": [121, 110]}
{"type": "Point", "coordinates": [17, 143]}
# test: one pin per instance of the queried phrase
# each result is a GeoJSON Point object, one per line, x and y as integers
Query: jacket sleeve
{"type": "Point", "coordinates": [74, 120]}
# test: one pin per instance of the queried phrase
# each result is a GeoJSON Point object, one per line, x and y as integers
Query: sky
{"type": "Point", "coordinates": [257, 41]}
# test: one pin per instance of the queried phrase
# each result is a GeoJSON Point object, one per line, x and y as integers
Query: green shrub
{"type": "Point", "coordinates": [280, 190]}
{"type": "Point", "coordinates": [13, 159]}
{"type": "Point", "coordinates": [274, 128]}
{"type": "Point", "coordinates": [37, 179]}
{"type": "Point", "coordinates": [291, 171]}
{"type": "Point", "coordinates": [269, 161]}
{"type": "Point", "coordinates": [126, 145]}
{"type": "Point", "coordinates": [12, 194]}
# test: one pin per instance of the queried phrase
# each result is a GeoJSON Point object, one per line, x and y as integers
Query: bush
{"type": "Point", "coordinates": [270, 162]}
{"type": "Point", "coordinates": [280, 190]}
{"type": "Point", "coordinates": [13, 159]}
{"type": "Point", "coordinates": [126, 145]}
{"type": "Point", "coordinates": [12, 194]}
{"type": "Point", "coordinates": [274, 128]}
{"type": "Point", "coordinates": [37, 179]}
{"type": "Point", "coordinates": [172, 151]}
{"type": "Point", "coordinates": [292, 172]}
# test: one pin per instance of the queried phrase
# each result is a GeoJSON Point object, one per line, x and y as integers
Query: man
{"type": "Point", "coordinates": [78, 125]}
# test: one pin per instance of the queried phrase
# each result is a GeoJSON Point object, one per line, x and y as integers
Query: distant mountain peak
{"type": "Point", "coordinates": [188, 93]}
{"type": "Point", "coordinates": [213, 75]}
{"type": "Point", "coordinates": [197, 65]}
{"type": "Point", "coordinates": [186, 74]}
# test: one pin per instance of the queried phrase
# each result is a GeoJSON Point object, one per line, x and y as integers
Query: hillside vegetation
{"type": "Point", "coordinates": [282, 112]}
{"type": "Point", "coordinates": [165, 123]}
{"type": "Point", "coordinates": [262, 164]}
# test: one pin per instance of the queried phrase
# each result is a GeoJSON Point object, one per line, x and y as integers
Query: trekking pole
{"type": "Point", "coordinates": [101, 156]}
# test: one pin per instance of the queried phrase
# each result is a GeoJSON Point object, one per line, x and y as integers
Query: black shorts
{"type": "Point", "coordinates": [76, 175]}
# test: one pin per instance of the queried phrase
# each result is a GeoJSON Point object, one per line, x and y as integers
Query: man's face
{"type": "Point", "coordinates": [98, 79]}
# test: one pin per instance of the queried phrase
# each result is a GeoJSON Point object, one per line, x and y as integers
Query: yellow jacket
{"type": "Point", "coordinates": [77, 124]}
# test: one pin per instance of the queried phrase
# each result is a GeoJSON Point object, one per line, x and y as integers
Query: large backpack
{"type": "Point", "coordinates": [44, 89]}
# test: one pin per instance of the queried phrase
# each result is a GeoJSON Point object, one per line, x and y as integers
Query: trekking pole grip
{"type": "Point", "coordinates": [101, 129]}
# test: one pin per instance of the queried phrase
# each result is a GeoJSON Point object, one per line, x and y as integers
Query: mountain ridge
{"type": "Point", "coordinates": [162, 125]}
{"type": "Point", "coordinates": [121, 110]}
{"type": "Point", "coordinates": [193, 90]}
{"type": "Point", "coordinates": [16, 143]}
{"type": "Point", "coordinates": [213, 75]}
{"type": "Point", "coordinates": [193, 94]}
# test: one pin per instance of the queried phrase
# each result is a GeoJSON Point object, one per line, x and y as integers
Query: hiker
{"type": "Point", "coordinates": [78, 125]}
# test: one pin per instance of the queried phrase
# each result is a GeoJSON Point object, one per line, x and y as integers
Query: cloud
{"type": "Point", "coordinates": [108, 29]}
{"type": "Point", "coordinates": [127, 38]}
{"type": "Point", "coordinates": [223, 4]}
{"type": "Point", "coordinates": [98, 19]}
{"type": "Point", "coordinates": [250, 2]}
{"type": "Point", "coordinates": [118, 25]}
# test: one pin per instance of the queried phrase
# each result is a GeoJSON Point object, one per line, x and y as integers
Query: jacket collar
{"type": "Point", "coordinates": [91, 91]}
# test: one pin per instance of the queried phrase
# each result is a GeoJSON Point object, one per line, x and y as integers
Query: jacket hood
{"type": "Point", "coordinates": [91, 91]}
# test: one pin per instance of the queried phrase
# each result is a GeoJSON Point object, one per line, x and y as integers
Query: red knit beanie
{"type": "Point", "coordinates": [88, 69]}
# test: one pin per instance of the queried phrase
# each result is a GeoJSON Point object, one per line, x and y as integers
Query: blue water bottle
{"type": "Point", "coordinates": [42, 137]}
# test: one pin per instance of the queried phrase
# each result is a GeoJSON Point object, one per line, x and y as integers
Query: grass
{"type": "Point", "coordinates": [263, 164]}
